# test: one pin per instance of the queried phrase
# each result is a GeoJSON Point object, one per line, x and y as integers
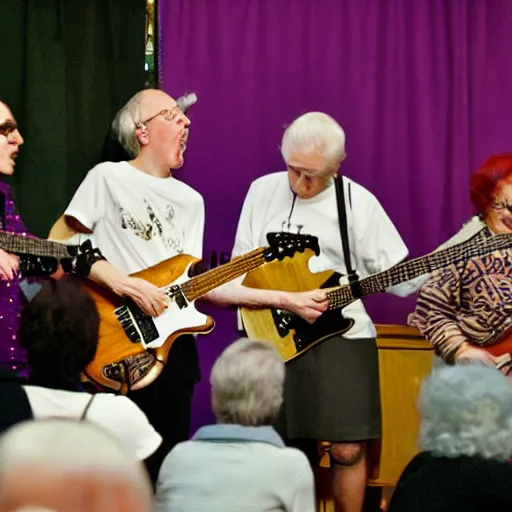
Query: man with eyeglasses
{"type": "Point", "coordinates": [139, 214]}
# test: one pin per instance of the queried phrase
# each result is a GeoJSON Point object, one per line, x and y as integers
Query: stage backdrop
{"type": "Point", "coordinates": [421, 87]}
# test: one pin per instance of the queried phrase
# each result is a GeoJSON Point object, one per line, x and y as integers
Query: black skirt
{"type": "Point", "coordinates": [332, 393]}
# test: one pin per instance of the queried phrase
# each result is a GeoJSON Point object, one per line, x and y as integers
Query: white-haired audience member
{"type": "Point", "coordinates": [240, 463]}
{"type": "Point", "coordinates": [63, 466]}
{"type": "Point", "coordinates": [465, 442]}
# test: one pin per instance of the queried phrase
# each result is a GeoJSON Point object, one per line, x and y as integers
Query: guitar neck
{"type": "Point", "coordinates": [21, 244]}
{"type": "Point", "coordinates": [204, 283]}
{"type": "Point", "coordinates": [478, 245]}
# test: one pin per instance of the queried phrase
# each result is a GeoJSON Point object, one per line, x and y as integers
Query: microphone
{"type": "Point", "coordinates": [186, 101]}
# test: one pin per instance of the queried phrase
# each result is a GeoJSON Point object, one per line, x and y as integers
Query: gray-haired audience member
{"type": "Point", "coordinates": [465, 442]}
{"type": "Point", "coordinates": [240, 463]}
{"type": "Point", "coordinates": [62, 466]}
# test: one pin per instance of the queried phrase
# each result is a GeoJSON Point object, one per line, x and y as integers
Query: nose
{"type": "Point", "coordinates": [19, 138]}
{"type": "Point", "coordinates": [301, 186]}
{"type": "Point", "coordinates": [187, 121]}
{"type": "Point", "coordinates": [16, 137]}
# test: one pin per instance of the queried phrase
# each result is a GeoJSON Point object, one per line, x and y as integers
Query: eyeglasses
{"type": "Point", "coordinates": [168, 115]}
{"type": "Point", "coordinates": [8, 127]}
{"type": "Point", "coordinates": [502, 205]}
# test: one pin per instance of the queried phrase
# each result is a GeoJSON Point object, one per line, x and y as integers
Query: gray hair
{"type": "Point", "coordinates": [466, 410]}
{"type": "Point", "coordinates": [315, 131]}
{"type": "Point", "coordinates": [247, 383]}
{"type": "Point", "coordinates": [125, 124]}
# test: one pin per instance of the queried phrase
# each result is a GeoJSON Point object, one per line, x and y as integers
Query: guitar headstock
{"type": "Point", "coordinates": [283, 245]}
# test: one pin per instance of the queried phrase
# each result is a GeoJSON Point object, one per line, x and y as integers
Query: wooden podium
{"type": "Point", "coordinates": [405, 358]}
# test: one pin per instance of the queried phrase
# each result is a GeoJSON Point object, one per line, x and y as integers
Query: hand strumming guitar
{"type": "Point", "coordinates": [468, 354]}
{"type": "Point", "coordinates": [308, 305]}
{"type": "Point", "coordinates": [147, 296]}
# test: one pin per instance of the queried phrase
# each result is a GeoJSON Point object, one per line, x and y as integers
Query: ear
{"type": "Point", "coordinates": [142, 134]}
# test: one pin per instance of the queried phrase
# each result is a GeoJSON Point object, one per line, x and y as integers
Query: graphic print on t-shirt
{"type": "Point", "coordinates": [288, 227]}
{"type": "Point", "coordinates": [153, 226]}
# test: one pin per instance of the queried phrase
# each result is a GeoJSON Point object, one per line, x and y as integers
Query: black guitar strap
{"type": "Point", "coordinates": [342, 221]}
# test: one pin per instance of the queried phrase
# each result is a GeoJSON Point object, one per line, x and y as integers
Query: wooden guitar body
{"type": "Point", "coordinates": [290, 334]}
{"type": "Point", "coordinates": [109, 367]}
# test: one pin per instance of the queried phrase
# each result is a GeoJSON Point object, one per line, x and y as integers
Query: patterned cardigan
{"type": "Point", "coordinates": [470, 301]}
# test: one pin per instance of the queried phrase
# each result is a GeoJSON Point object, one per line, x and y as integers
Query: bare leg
{"type": "Point", "coordinates": [350, 475]}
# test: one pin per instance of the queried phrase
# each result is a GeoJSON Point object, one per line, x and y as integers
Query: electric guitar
{"type": "Point", "coordinates": [133, 348]}
{"type": "Point", "coordinates": [293, 336]}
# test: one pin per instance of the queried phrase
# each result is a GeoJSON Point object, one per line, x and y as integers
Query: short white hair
{"type": "Point", "coordinates": [315, 131]}
{"type": "Point", "coordinates": [247, 383]}
{"type": "Point", "coordinates": [125, 124]}
{"type": "Point", "coordinates": [62, 449]}
{"type": "Point", "coordinates": [466, 410]}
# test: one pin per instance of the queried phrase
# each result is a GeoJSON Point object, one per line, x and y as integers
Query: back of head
{"type": "Point", "coordinates": [62, 465]}
{"type": "Point", "coordinates": [247, 383]}
{"type": "Point", "coordinates": [466, 410]}
{"type": "Point", "coordinates": [125, 123]}
{"type": "Point", "coordinates": [315, 132]}
{"type": "Point", "coordinates": [59, 329]}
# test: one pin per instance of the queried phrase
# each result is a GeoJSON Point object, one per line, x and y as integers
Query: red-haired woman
{"type": "Point", "coordinates": [469, 305]}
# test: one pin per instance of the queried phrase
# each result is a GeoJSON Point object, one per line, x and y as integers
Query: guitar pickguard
{"type": "Point", "coordinates": [306, 335]}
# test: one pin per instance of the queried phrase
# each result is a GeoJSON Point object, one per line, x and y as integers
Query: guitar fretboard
{"type": "Point", "coordinates": [479, 245]}
{"type": "Point", "coordinates": [22, 244]}
{"type": "Point", "coordinates": [202, 284]}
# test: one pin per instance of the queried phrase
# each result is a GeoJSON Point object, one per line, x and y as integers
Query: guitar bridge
{"type": "Point", "coordinates": [137, 326]}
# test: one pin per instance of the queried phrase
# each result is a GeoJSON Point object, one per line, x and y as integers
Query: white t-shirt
{"type": "Point", "coordinates": [375, 244]}
{"type": "Point", "coordinates": [138, 220]}
{"type": "Point", "coordinates": [117, 414]}
{"type": "Point", "coordinates": [205, 476]}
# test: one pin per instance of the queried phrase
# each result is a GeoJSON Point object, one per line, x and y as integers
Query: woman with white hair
{"type": "Point", "coordinates": [331, 391]}
{"type": "Point", "coordinates": [240, 463]}
{"type": "Point", "coordinates": [60, 465]}
{"type": "Point", "coordinates": [465, 442]}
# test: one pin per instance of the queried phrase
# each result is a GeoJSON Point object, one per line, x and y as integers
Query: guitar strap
{"type": "Point", "coordinates": [342, 221]}
{"type": "Point", "coordinates": [353, 278]}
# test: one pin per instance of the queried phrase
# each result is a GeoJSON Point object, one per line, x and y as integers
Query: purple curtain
{"type": "Point", "coordinates": [422, 89]}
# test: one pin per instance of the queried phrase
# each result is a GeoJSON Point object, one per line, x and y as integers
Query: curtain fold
{"type": "Point", "coordinates": [67, 67]}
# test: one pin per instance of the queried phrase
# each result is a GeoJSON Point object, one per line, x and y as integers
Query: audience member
{"type": "Point", "coordinates": [240, 463]}
{"type": "Point", "coordinates": [465, 442]}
